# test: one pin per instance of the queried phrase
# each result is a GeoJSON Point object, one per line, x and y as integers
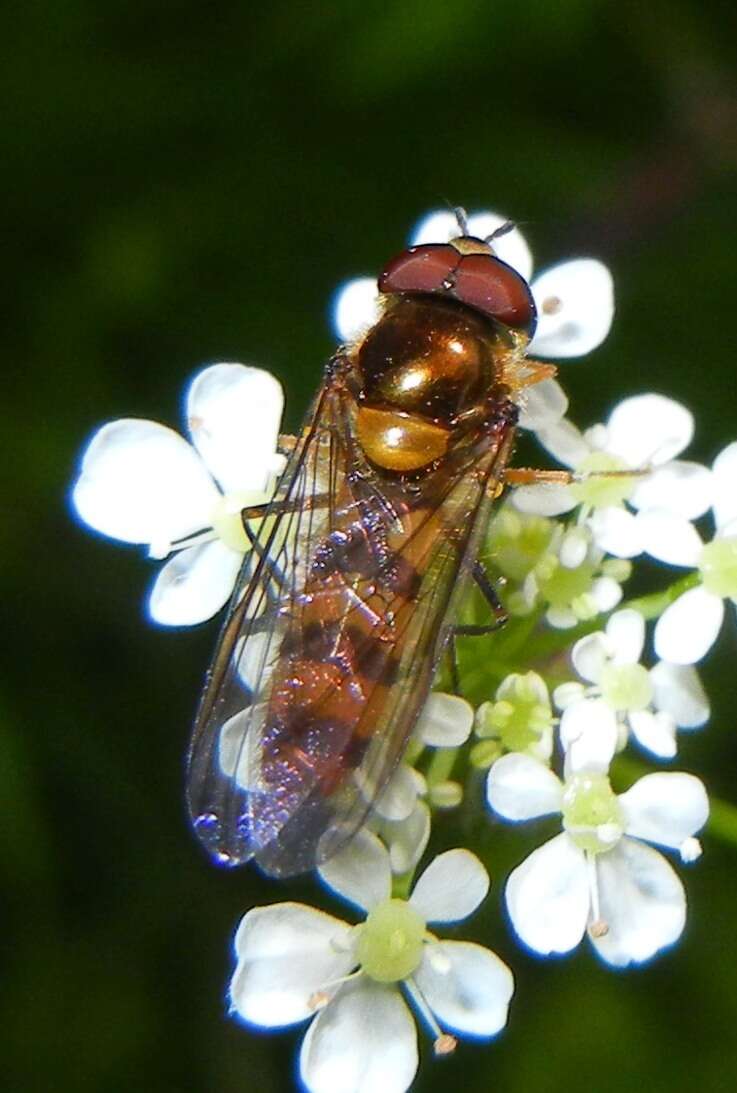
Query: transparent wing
{"type": "Point", "coordinates": [331, 645]}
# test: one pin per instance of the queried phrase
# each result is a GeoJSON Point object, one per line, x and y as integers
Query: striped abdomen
{"type": "Point", "coordinates": [341, 653]}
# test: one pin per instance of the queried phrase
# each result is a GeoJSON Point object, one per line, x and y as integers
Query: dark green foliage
{"type": "Point", "coordinates": [183, 183]}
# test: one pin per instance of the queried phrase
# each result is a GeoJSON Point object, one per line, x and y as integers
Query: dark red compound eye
{"type": "Point", "coordinates": [481, 281]}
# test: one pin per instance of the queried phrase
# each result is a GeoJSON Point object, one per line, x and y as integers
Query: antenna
{"type": "Point", "coordinates": [503, 229]}
{"type": "Point", "coordinates": [462, 217]}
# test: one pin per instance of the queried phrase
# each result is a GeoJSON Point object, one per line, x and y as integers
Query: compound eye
{"type": "Point", "coordinates": [491, 286]}
{"type": "Point", "coordinates": [426, 268]}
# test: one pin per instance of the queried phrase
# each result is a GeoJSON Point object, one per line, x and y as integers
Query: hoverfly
{"type": "Point", "coordinates": [344, 606]}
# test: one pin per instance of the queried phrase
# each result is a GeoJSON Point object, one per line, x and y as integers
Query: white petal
{"type": "Point", "coordinates": [547, 897]}
{"type": "Point", "coordinates": [234, 413]}
{"type": "Point", "coordinates": [255, 658]}
{"type": "Point", "coordinates": [355, 308]}
{"type": "Point", "coordinates": [654, 731]}
{"type": "Point", "coordinates": [588, 733]}
{"type": "Point", "coordinates": [451, 888]}
{"type": "Point", "coordinates": [360, 871]}
{"type": "Point", "coordinates": [666, 807]}
{"type": "Point", "coordinates": [642, 902]}
{"type": "Point", "coordinates": [670, 538]}
{"type": "Point", "coordinates": [606, 593]}
{"type": "Point", "coordinates": [679, 692]}
{"type": "Point", "coordinates": [398, 799]}
{"type": "Point", "coordinates": [626, 633]}
{"type": "Point", "coordinates": [542, 404]}
{"type": "Point", "coordinates": [543, 499]}
{"type": "Point", "coordinates": [687, 629]}
{"type": "Point", "coordinates": [520, 788]}
{"type": "Point", "coordinates": [649, 429]}
{"type": "Point", "coordinates": [535, 687]}
{"type": "Point", "coordinates": [436, 227]}
{"type": "Point", "coordinates": [364, 1041]}
{"type": "Point", "coordinates": [616, 531]}
{"type": "Point", "coordinates": [564, 442]}
{"type": "Point", "coordinates": [590, 655]}
{"type": "Point", "coordinates": [408, 839]}
{"type": "Point", "coordinates": [285, 953]}
{"type": "Point", "coordinates": [469, 990]}
{"type": "Point", "coordinates": [445, 722]}
{"type": "Point", "coordinates": [439, 227]}
{"type": "Point", "coordinates": [561, 618]}
{"type": "Point", "coordinates": [567, 693]}
{"type": "Point", "coordinates": [194, 584]}
{"type": "Point", "coordinates": [143, 483]}
{"type": "Point", "coordinates": [679, 487]}
{"type": "Point", "coordinates": [725, 485]}
{"type": "Point", "coordinates": [574, 547]}
{"type": "Point", "coordinates": [575, 307]}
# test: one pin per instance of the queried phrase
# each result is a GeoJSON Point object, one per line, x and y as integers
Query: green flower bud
{"type": "Point", "coordinates": [718, 565]}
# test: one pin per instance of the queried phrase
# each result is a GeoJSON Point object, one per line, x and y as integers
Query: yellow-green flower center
{"type": "Point", "coordinates": [391, 940]}
{"type": "Point", "coordinates": [520, 715]}
{"type": "Point", "coordinates": [517, 541]}
{"type": "Point", "coordinates": [718, 566]}
{"type": "Point", "coordinates": [592, 815]}
{"type": "Point", "coordinates": [600, 491]}
{"type": "Point", "coordinates": [227, 522]}
{"type": "Point", "coordinates": [561, 586]}
{"type": "Point", "coordinates": [626, 686]}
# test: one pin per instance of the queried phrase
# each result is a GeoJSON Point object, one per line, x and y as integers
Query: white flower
{"type": "Point", "coordinates": [641, 432]}
{"type": "Point", "coordinates": [401, 815]}
{"type": "Point", "coordinates": [519, 719]}
{"type": "Point", "coordinates": [689, 627]}
{"type": "Point", "coordinates": [598, 876]}
{"type": "Point", "coordinates": [293, 960]}
{"type": "Point", "coordinates": [574, 579]}
{"type": "Point", "coordinates": [574, 300]}
{"type": "Point", "coordinates": [649, 704]}
{"type": "Point", "coordinates": [141, 482]}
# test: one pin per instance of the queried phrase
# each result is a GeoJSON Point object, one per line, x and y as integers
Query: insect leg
{"type": "Point", "coordinates": [255, 512]}
{"type": "Point", "coordinates": [528, 476]}
{"type": "Point", "coordinates": [455, 675]}
{"type": "Point", "coordinates": [486, 587]}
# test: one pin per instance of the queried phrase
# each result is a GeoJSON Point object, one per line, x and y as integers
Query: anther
{"type": "Point", "coordinates": [445, 1044]}
{"type": "Point", "coordinates": [551, 305]}
{"type": "Point", "coordinates": [318, 1000]}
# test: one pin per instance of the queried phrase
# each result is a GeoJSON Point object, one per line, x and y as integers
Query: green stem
{"type": "Point", "coordinates": [653, 606]}
{"type": "Point", "coordinates": [441, 766]}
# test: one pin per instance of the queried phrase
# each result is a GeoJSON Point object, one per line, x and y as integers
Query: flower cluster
{"type": "Point", "coordinates": [550, 706]}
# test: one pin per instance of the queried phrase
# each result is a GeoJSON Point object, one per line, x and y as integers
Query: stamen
{"type": "Point", "coordinates": [204, 536]}
{"type": "Point", "coordinates": [445, 1044]}
{"type": "Point", "coordinates": [320, 998]}
{"type": "Point", "coordinates": [551, 305]}
{"type": "Point", "coordinates": [440, 1038]}
{"type": "Point", "coordinates": [597, 925]}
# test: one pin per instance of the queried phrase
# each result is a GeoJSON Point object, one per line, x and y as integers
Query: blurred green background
{"type": "Point", "coordinates": [185, 183]}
